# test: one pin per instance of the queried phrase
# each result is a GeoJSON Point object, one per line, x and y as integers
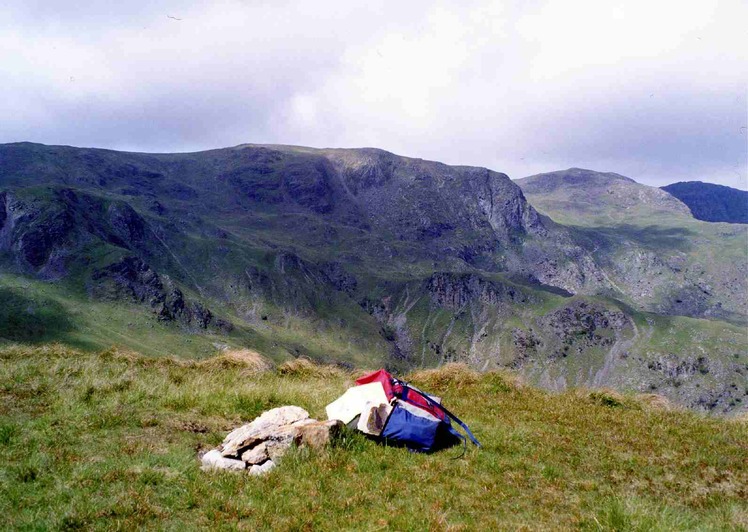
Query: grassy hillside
{"type": "Point", "coordinates": [35, 312]}
{"type": "Point", "coordinates": [712, 203]}
{"type": "Point", "coordinates": [110, 439]}
{"type": "Point", "coordinates": [554, 341]}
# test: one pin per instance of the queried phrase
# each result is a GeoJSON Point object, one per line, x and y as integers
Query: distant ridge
{"type": "Point", "coordinates": [600, 195]}
{"type": "Point", "coordinates": [712, 203]}
{"type": "Point", "coordinates": [550, 181]}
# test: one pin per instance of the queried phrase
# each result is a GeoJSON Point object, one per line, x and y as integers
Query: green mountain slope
{"type": "Point", "coordinates": [712, 203]}
{"type": "Point", "coordinates": [363, 257]}
{"type": "Point", "coordinates": [649, 245]}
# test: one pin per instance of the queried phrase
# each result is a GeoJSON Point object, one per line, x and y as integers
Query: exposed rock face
{"type": "Point", "coordinates": [526, 347]}
{"type": "Point", "coordinates": [3, 213]}
{"type": "Point", "coordinates": [506, 208]}
{"type": "Point", "coordinates": [583, 319]}
{"type": "Point", "coordinates": [723, 399]}
{"type": "Point", "coordinates": [414, 262]}
{"type": "Point", "coordinates": [39, 234]}
{"type": "Point", "coordinates": [339, 277]}
{"type": "Point", "coordinates": [128, 227]}
{"type": "Point", "coordinates": [296, 283]}
{"type": "Point", "coordinates": [58, 224]}
{"type": "Point", "coordinates": [132, 279]}
{"type": "Point", "coordinates": [308, 185]}
{"type": "Point", "coordinates": [647, 244]}
{"type": "Point", "coordinates": [673, 367]}
{"type": "Point", "coordinates": [582, 325]}
{"type": "Point", "coordinates": [454, 291]}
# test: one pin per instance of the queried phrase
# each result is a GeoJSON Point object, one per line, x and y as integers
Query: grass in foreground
{"type": "Point", "coordinates": [109, 440]}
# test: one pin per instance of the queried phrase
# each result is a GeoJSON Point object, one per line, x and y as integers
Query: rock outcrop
{"type": "Point", "coordinates": [454, 291]}
{"type": "Point", "coordinates": [132, 279]}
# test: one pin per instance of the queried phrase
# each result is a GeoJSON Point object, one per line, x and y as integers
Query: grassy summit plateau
{"type": "Point", "coordinates": [105, 440]}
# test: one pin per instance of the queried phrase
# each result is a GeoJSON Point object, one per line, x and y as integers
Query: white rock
{"type": "Point", "coordinates": [262, 469]}
{"type": "Point", "coordinates": [261, 429]}
{"type": "Point", "coordinates": [214, 460]}
{"type": "Point", "coordinates": [257, 454]}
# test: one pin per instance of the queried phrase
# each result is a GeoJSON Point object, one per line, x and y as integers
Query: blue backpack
{"type": "Point", "coordinates": [417, 421]}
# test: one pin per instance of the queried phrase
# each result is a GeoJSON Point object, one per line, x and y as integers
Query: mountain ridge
{"type": "Point", "coordinates": [362, 257]}
{"type": "Point", "coordinates": [711, 202]}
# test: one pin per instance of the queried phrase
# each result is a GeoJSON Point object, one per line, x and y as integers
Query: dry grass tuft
{"type": "Point", "coordinates": [449, 374]}
{"type": "Point", "coordinates": [303, 367]}
{"type": "Point", "coordinates": [121, 354]}
{"type": "Point", "coordinates": [243, 359]}
{"type": "Point", "coordinates": [654, 401]}
{"type": "Point", "coordinates": [19, 351]}
{"type": "Point", "coordinates": [128, 356]}
{"type": "Point", "coordinates": [604, 397]}
{"type": "Point", "coordinates": [508, 379]}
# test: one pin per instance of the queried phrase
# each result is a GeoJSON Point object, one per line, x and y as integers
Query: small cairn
{"type": "Point", "coordinates": [259, 445]}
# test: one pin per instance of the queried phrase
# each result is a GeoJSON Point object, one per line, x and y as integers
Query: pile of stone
{"type": "Point", "coordinates": [259, 445]}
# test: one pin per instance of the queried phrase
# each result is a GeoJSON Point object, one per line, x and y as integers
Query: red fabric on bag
{"type": "Point", "coordinates": [416, 399]}
{"type": "Point", "coordinates": [382, 377]}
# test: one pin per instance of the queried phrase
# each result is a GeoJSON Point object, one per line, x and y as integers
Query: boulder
{"type": "Point", "coordinates": [263, 428]}
{"type": "Point", "coordinates": [319, 434]}
{"type": "Point", "coordinates": [214, 460]}
{"type": "Point", "coordinates": [282, 440]}
{"type": "Point", "coordinates": [257, 454]}
{"type": "Point", "coordinates": [261, 469]}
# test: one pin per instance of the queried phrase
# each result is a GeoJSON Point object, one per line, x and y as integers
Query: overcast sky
{"type": "Point", "coordinates": [655, 90]}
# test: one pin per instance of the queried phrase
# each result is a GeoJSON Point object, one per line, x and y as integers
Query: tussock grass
{"type": "Point", "coordinates": [654, 401]}
{"type": "Point", "coordinates": [453, 374]}
{"type": "Point", "coordinates": [305, 368]}
{"type": "Point", "coordinates": [456, 376]}
{"type": "Point", "coordinates": [245, 359]}
{"type": "Point", "coordinates": [607, 397]}
{"type": "Point", "coordinates": [110, 441]}
{"type": "Point", "coordinates": [614, 399]}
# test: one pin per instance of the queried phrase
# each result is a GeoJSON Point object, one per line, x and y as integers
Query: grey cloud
{"type": "Point", "coordinates": [481, 83]}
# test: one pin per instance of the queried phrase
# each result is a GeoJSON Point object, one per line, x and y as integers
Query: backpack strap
{"type": "Point", "coordinates": [437, 406]}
